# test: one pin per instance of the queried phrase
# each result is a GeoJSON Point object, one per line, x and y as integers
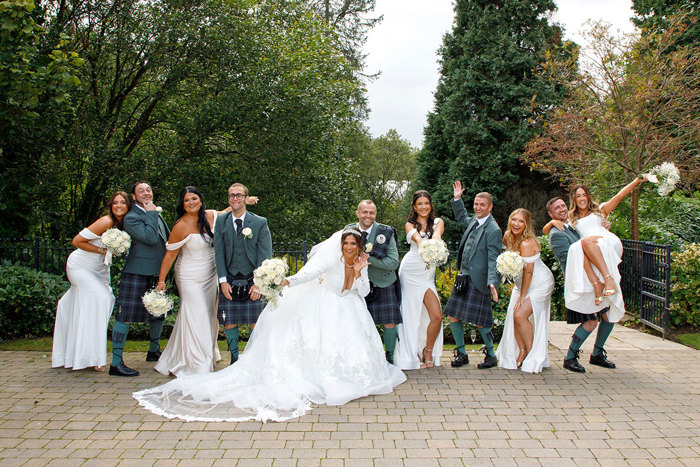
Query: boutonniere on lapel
{"type": "Point", "coordinates": [159, 209]}
{"type": "Point", "coordinates": [247, 232]}
{"type": "Point", "coordinates": [368, 248]}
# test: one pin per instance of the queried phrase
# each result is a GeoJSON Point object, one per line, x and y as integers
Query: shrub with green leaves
{"type": "Point", "coordinates": [28, 300]}
{"type": "Point", "coordinates": [685, 283]}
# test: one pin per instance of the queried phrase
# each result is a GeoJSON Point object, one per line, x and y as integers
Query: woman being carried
{"type": "Point", "coordinates": [526, 330]}
{"type": "Point", "coordinates": [318, 344]}
{"type": "Point", "coordinates": [420, 334]}
{"type": "Point", "coordinates": [591, 268]}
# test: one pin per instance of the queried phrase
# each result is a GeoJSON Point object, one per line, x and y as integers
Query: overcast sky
{"type": "Point", "coordinates": [404, 48]}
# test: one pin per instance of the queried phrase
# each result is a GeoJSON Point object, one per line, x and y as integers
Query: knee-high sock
{"type": "Point", "coordinates": [119, 333]}
{"type": "Point", "coordinates": [577, 340]}
{"type": "Point", "coordinates": [487, 336]}
{"type": "Point", "coordinates": [232, 340]}
{"type": "Point", "coordinates": [604, 330]}
{"type": "Point", "coordinates": [457, 328]}
{"type": "Point", "coordinates": [155, 329]}
{"type": "Point", "coordinates": [390, 339]}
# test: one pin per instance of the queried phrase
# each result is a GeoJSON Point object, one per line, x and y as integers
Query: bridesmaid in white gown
{"type": "Point", "coordinates": [192, 346]}
{"type": "Point", "coordinates": [526, 330]}
{"type": "Point", "coordinates": [318, 345]}
{"type": "Point", "coordinates": [596, 256]}
{"type": "Point", "coordinates": [80, 333]}
{"type": "Point", "coordinates": [420, 334]}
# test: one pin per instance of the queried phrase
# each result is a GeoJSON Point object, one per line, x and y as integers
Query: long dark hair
{"type": "Point", "coordinates": [116, 222]}
{"type": "Point", "coordinates": [413, 215]}
{"type": "Point", "coordinates": [202, 221]}
{"type": "Point", "coordinates": [593, 207]}
{"type": "Point", "coordinates": [355, 232]}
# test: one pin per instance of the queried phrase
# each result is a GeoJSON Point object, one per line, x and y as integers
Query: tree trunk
{"type": "Point", "coordinates": [634, 209]}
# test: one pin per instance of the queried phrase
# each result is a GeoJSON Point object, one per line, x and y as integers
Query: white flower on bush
{"type": "Point", "coordinates": [509, 265]}
{"type": "Point", "coordinates": [157, 303]}
{"type": "Point", "coordinates": [666, 176]}
{"type": "Point", "coordinates": [116, 241]}
{"type": "Point", "coordinates": [247, 232]}
{"type": "Point", "coordinates": [434, 251]}
{"type": "Point", "coordinates": [269, 277]}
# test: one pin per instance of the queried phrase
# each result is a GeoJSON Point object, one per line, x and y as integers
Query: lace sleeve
{"type": "Point", "coordinates": [362, 283]}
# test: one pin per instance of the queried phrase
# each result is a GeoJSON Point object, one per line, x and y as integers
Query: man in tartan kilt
{"type": "Point", "coordinates": [149, 233]}
{"type": "Point", "coordinates": [384, 298]}
{"type": "Point", "coordinates": [559, 243]}
{"type": "Point", "coordinates": [242, 242]}
{"type": "Point", "coordinates": [480, 246]}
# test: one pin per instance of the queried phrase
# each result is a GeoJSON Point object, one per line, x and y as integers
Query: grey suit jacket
{"type": "Point", "coordinates": [147, 242]}
{"type": "Point", "coordinates": [481, 264]}
{"type": "Point", "coordinates": [258, 248]}
{"type": "Point", "coordinates": [559, 242]}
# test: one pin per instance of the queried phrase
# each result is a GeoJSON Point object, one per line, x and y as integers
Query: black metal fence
{"type": "Point", "coordinates": [646, 282]}
{"type": "Point", "coordinates": [645, 269]}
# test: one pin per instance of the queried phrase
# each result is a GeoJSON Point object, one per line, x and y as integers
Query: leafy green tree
{"type": "Point", "coordinates": [653, 15]}
{"type": "Point", "coordinates": [37, 81]}
{"type": "Point", "coordinates": [488, 97]}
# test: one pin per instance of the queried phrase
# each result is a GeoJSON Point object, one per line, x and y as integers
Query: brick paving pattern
{"type": "Point", "coordinates": [645, 412]}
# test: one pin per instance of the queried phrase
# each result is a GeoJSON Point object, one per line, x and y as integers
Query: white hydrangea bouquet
{"type": "Point", "coordinates": [157, 303]}
{"type": "Point", "coordinates": [434, 251]}
{"type": "Point", "coordinates": [666, 176]}
{"type": "Point", "coordinates": [117, 243]}
{"type": "Point", "coordinates": [269, 277]}
{"type": "Point", "coordinates": [509, 265]}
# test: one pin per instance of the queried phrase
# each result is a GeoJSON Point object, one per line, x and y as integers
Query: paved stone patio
{"type": "Point", "coordinates": [645, 412]}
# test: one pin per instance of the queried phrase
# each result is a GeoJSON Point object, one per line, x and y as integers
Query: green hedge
{"type": "Point", "coordinates": [28, 300]}
{"type": "Point", "coordinates": [685, 283]}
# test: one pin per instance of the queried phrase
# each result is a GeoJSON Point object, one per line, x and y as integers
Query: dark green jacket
{"type": "Point", "coordinates": [258, 248]}
{"type": "Point", "coordinates": [559, 243]}
{"type": "Point", "coordinates": [381, 271]}
{"type": "Point", "coordinates": [147, 242]}
{"type": "Point", "coordinates": [481, 263]}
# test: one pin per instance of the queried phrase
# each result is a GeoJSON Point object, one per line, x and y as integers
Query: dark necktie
{"type": "Point", "coordinates": [239, 226]}
{"type": "Point", "coordinates": [364, 237]}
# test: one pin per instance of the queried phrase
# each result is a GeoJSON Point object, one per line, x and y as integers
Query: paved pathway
{"type": "Point", "coordinates": [646, 412]}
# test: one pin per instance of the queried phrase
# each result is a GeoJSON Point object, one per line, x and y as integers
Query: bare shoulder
{"type": "Point", "coordinates": [529, 247]}
{"type": "Point", "coordinates": [101, 225]}
{"type": "Point", "coordinates": [409, 227]}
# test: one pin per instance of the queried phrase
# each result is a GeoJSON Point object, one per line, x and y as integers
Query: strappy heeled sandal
{"type": "Point", "coordinates": [609, 292]}
{"type": "Point", "coordinates": [599, 299]}
{"type": "Point", "coordinates": [428, 363]}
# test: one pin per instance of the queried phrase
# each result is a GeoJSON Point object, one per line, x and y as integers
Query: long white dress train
{"type": "Point", "coordinates": [540, 293]}
{"type": "Point", "coordinates": [80, 333]}
{"type": "Point", "coordinates": [578, 292]}
{"type": "Point", "coordinates": [192, 345]}
{"type": "Point", "coordinates": [416, 279]}
{"type": "Point", "coordinates": [317, 345]}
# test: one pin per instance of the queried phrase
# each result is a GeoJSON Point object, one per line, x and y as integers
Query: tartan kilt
{"type": "Point", "coordinates": [471, 307]}
{"type": "Point", "coordinates": [130, 307]}
{"type": "Point", "coordinates": [239, 311]}
{"type": "Point", "coordinates": [385, 309]}
{"type": "Point", "coordinates": [574, 317]}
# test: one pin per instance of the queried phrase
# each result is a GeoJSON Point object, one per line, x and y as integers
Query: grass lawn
{"type": "Point", "coordinates": [44, 344]}
{"type": "Point", "coordinates": [691, 340]}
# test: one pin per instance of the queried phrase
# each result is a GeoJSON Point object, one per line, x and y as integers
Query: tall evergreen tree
{"type": "Point", "coordinates": [489, 94]}
{"type": "Point", "coordinates": [653, 15]}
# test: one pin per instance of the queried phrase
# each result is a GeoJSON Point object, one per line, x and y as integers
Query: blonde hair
{"type": "Point", "coordinates": [509, 239]}
{"type": "Point", "coordinates": [573, 210]}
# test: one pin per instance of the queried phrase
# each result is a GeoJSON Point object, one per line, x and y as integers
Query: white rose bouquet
{"type": "Point", "coordinates": [509, 265]}
{"type": "Point", "coordinates": [434, 251]}
{"type": "Point", "coordinates": [157, 303]}
{"type": "Point", "coordinates": [269, 277]}
{"type": "Point", "coordinates": [666, 176]}
{"type": "Point", "coordinates": [117, 243]}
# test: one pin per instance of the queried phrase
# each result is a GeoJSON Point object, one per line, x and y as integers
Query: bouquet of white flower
{"type": "Point", "coordinates": [116, 241]}
{"type": "Point", "coordinates": [434, 251]}
{"type": "Point", "coordinates": [666, 176]}
{"type": "Point", "coordinates": [157, 303]}
{"type": "Point", "coordinates": [509, 265]}
{"type": "Point", "coordinates": [269, 277]}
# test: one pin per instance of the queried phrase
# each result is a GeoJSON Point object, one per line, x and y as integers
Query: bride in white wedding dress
{"type": "Point", "coordinates": [318, 345]}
